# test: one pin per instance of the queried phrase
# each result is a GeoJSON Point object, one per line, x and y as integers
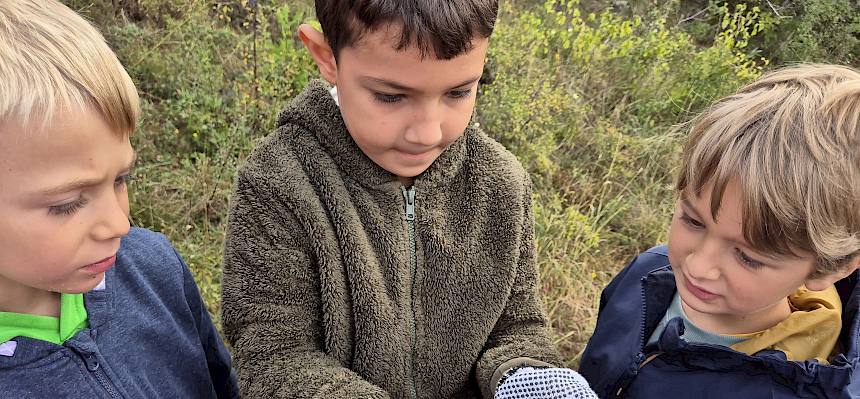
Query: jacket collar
{"type": "Point", "coordinates": [658, 288]}
{"type": "Point", "coordinates": [99, 305]}
{"type": "Point", "coordinates": [99, 302]}
{"type": "Point", "coordinates": [849, 292]}
{"type": "Point", "coordinates": [316, 112]}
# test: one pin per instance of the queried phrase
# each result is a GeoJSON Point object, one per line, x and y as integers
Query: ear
{"type": "Point", "coordinates": [321, 52]}
{"type": "Point", "coordinates": [823, 282]}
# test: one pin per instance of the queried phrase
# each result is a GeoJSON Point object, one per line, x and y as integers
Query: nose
{"type": "Point", "coordinates": [113, 217]}
{"type": "Point", "coordinates": [704, 262]}
{"type": "Point", "coordinates": [426, 127]}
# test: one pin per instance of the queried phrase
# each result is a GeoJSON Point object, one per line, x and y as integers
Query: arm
{"type": "Point", "coordinates": [217, 356]}
{"type": "Point", "coordinates": [271, 304]}
{"type": "Point", "coordinates": [520, 336]}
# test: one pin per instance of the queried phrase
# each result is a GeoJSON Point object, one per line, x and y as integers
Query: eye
{"type": "Point", "coordinates": [693, 223]}
{"type": "Point", "coordinates": [123, 180]}
{"type": "Point", "coordinates": [387, 98]}
{"type": "Point", "coordinates": [745, 260]}
{"type": "Point", "coordinates": [459, 93]}
{"type": "Point", "coordinates": [67, 208]}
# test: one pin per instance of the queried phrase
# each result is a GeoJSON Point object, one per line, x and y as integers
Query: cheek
{"type": "Point", "coordinates": [456, 122]}
{"type": "Point", "coordinates": [35, 259]}
{"type": "Point", "coordinates": [37, 238]}
{"type": "Point", "coordinates": [676, 240]}
{"type": "Point", "coordinates": [25, 233]}
{"type": "Point", "coordinates": [123, 201]}
{"type": "Point", "coordinates": [369, 127]}
{"type": "Point", "coordinates": [748, 294]}
{"type": "Point", "coordinates": [683, 243]}
{"type": "Point", "coordinates": [751, 292]}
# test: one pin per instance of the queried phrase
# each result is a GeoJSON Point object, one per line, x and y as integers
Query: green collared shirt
{"type": "Point", "coordinates": [73, 318]}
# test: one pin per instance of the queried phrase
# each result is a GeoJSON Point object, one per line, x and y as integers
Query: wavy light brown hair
{"type": "Point", "coordinates": [444, 28]}
{"type": "Point", "coordinates": [792, 140]}
{"type": "Point", "coordinates": [51, 59]}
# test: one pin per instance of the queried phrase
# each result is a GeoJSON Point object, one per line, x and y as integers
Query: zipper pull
{"type": "Point", "coordinates": [91, 361]}
{"type": "Point", "coordinates": [409, 196]}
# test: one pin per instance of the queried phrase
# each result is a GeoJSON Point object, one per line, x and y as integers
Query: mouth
{"type": "Point", "coordinates": [699, 292]}
{"type": "Point", "coordinates": [100, 266]}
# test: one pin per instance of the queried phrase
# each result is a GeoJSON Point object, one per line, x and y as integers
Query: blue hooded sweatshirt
{"type": "Point", "coordinates": [149, 336]}
{"type": "Point", "coordinates": [617, 363]}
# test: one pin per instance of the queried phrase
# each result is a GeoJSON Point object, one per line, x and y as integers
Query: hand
{"type": "Point", "coordinates": [545, 383]}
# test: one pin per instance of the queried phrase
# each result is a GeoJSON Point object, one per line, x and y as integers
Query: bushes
{"type": "Point", "coordinates": [796, 30]}
{"type": "Point", "coordinates": [206, 97]}
{"type": "Point", "coordinates": [587, 100]}
{"type": "Point", "coordinates": [809, 30]}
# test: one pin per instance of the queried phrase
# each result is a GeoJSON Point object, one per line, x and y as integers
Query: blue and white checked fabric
{"type": "Point", "coordinates": [545, 383]}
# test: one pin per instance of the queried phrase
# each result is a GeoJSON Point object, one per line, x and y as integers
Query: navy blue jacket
{"type": "Point", "coordinates": [149, 337]}
{"type": "Point", "coordinates": [617, 364]}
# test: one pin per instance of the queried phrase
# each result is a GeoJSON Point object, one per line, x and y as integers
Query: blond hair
{"type": "Point", "coordinates": [51, 59]}
{"type": "Point", "coordinates": [791, 139]}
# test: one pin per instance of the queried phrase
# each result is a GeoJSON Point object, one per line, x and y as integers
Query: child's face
{"type": "Point", "coordinates": [724, 283]}
{"type": "Point", "coordinates": [63, 203]}
{"type": "Point", "coordinates": [402, 110]}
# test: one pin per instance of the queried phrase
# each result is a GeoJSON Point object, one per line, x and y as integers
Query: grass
{"type": "Point", "coordinates": [587, 100]}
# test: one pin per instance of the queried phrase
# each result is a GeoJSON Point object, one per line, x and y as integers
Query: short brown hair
{"type": "Point", "coordinates": [445, 27]}
{"type": "Point", "coordinates": [792, 140]}
{"type": "Point", "coordinates": [53, 59]}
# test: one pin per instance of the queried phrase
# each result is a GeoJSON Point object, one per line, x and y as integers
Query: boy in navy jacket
{"type": "Point", "coordinates": [756, 294]}
{"type": "Point", "coordinates": [89, 308]}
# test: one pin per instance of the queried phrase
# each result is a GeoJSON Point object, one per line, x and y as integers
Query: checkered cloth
{"type": "Point", "coordinates": [546, 383]}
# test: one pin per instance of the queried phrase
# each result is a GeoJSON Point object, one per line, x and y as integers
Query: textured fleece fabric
{"type": "Point", "coordinates": [328, 293]}
{"type": "Point", "coordinates": [149, 336]}
{"type": "Point", "coordinates": [619, 364]}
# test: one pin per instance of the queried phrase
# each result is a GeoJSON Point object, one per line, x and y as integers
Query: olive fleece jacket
{"type": "Point", "coordinates": [330, 291]}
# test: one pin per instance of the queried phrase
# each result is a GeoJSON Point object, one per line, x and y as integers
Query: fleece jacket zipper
{"type": "Point", "coordinates": [409, 198]}
{"type": "Point", "coordinates": [94, 367]}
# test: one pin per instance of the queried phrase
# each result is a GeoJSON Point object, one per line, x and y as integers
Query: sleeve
{"type": "Point", "coordinates": [217, 356]}
{"type": "Point", "coordinates": [520, 336]}
{"type": "Point", "coordinates": [271, 304]}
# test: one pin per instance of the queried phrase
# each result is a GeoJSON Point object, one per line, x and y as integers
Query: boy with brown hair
{"type": "Point", "coordinates": [379, 244]}
{"type": "Point", "coordinates": [89, 307]}
{"type": "Point", "coordinates": [757, 293]}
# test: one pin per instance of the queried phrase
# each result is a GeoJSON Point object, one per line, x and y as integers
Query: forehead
{"type": "Point", "coordinates": [375, 55]}
{"type": "Point", "coordinates": [70, 143]}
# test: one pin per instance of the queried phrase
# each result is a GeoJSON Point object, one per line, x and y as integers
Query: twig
{"type": "Point", "coordinates": [774, 9]}
{"type": "Point", "coordinates": [694, 16]}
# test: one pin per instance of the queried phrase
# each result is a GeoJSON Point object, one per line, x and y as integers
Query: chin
{"type": "Point", "coordinates": [689, 299]}
{"type": "Point", "coordinates": [407, 172]}
{"type": "Point", "coordinates": [698, 305]}
{"type": "Point", "coordinates": [84, 286]}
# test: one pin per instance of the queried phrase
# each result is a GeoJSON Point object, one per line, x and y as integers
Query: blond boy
{"type": "Point", "coordinates": [756, 295]}
{"type": "Point", "coordinates": [89, 307]}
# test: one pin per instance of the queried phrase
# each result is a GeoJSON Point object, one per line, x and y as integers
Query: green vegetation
{"type": "Point", "coordinates": [590, 99]}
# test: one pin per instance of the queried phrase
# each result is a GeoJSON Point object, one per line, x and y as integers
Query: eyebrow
{"type": "Point", "coordinates": [399, 87]}
{"type": "Point", "coordinates": [81, 183]}
{"type": "Point", "coordinates": [690, 207]}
